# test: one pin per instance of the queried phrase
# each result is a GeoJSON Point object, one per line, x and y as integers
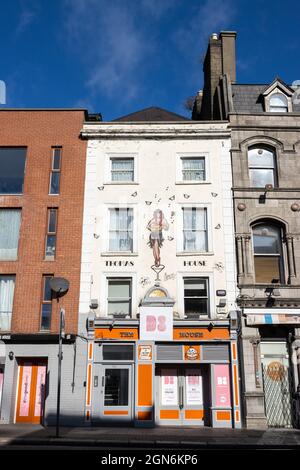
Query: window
{"type": "Point", "coordinates": [193, 168]}
{"type": "Point", "coordinates": [46, 304]}
{"type": "Point", "coordinates": [278, 103]}
{"type": "Point", "coordinates": [119, 296]}
{"type": "Point", "coordinates": [51, 233]}
{"type": "Point", "coordinates": [268, 259]}
{"type": "Point", "coordinates": [10, 220]}
{"type": "Point", "coordinates": [55, 170]}
{"type": "Point", "coordinates": [7, 287]}
{"type": "Point", "coordinates": [194, 229]}
{"type": "Point", "coordinates": [12, 168]}
{"type": "Point", "coordinates": [196, 296]}
{"type": "Point", "coordinates": [122, 169]}
{"type": "Point", "coordinates": [121, 229]}
{"type": "Point", "coordinates": [262, 168]}
{"type": "Point", "coordinates": [118, 352]}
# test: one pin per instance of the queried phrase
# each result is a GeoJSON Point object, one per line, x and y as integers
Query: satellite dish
{"type": "Point", "coordinates": [59, 285]}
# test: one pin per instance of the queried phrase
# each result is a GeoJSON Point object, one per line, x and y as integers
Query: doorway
{"type": "Point", "coordinates": [31, 391]}
{"type": "Point", "coordinates": [277, 381]}
{"type": "Point", "coordinates": [182, 395]}
{"type": "Point", "coordinates": [113, 394]}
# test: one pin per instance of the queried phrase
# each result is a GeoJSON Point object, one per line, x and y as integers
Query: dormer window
{"type": "Point", "coordinates": [278, 97]}
{"type": "Point", "coordinates": [278, 103]}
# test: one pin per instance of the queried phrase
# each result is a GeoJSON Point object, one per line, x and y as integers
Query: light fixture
{"type": "Point", "coordinates": [11, 355]}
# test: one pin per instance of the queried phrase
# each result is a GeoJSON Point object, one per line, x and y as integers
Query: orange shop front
{"type": "Point", "coordinates": [191, 380]}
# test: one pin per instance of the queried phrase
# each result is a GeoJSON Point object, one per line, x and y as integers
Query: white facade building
{"type": "Point", "coordinates": [158, 234]}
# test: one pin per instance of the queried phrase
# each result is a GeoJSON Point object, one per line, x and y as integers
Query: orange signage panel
{"type": "Point", "coordinates": [198, 334]}
{"type": "Point", "coordinates": [117, 333]}
{"type": "Point", "coordinates": [191, 353]}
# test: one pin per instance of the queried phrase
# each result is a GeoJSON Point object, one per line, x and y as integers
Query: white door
{"type": "Point", "coordinates": [114, 400]}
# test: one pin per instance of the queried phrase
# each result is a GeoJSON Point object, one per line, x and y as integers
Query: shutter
{"type": "Point", "coordinates": [169, 352]}
{"type": "Point", "coordinates": [218, 352]}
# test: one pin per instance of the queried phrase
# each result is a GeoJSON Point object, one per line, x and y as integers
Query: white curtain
{"type": "Point", "coordinates": [121, 227]}
{"type": "Point", "coordinates": [194, 229]}
{"type": "Point", "coordinates": [7, 287]}
{"type": "Point", "coordinates": [9, 233]}
{"type": "Point", "coordinates": [122, 170]}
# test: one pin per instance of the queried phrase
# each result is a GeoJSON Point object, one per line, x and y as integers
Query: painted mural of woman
{"type": "Point", "coordinates": [156, 225]}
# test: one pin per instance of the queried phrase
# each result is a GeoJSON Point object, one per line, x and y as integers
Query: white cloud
{"type": "Point", "coordinates": [113, 44]}
{"type": "Point", "coordinates": [29, 13]}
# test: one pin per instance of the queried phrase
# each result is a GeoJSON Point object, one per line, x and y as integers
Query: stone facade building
{"type": "Point", "coordinates": [264, 120]}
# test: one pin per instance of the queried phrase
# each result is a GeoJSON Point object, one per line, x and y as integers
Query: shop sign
{"type": "Point", "coordinates": [192, 353]}
{"type": "Point", "coordinates": [145, 352]}
{"type": "Point", "coordinates": [156, 323]}
{"type": "Point", "coordinates": [222, 385]}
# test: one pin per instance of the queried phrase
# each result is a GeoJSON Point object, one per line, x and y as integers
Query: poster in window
{"type": "Point", "coordinates": [222, 385]}
{"type": "Point", "coordinates": [193, 385]}
{"type": "Point", "coordinates": [25, 391]}
{"type": "Point", "coordinates": [40, 390]}
{"type": "Point", "coordinates": [169, 388]}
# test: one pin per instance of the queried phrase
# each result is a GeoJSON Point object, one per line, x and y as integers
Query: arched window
{"type": "Point", "coordinates": [268, 257]}
{"type": "Point", "coordinates": [262, 167]}
{"type": "Point", "coordinates": [278, 103]}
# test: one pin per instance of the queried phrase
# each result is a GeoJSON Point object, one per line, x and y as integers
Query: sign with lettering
{"type": "Point", "coordinates": [222, 385]}
{"type": "Point", "coordinates": [119, 264]}
{"type": "Point", "coordinates": [145, 352]}
{"type": "Point", "coordinates": [195, 263]}
{"type": "Point", "coordinates": [156, 323]}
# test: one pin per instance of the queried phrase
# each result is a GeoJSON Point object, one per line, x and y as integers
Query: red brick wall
{"type": "Point", "coordinates": [39, 131]}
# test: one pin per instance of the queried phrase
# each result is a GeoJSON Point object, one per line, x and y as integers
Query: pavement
{"type": "Point", "coordinates": [143, 438]}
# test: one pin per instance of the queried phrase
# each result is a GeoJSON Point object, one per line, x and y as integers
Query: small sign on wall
{"type": "Point", "coordinates": [145, 352]}
{"type": "Point", "coordinates": [156, 323]}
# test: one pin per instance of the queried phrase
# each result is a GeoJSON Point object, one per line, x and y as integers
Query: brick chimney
{"type": "Point", "coordinates": [219, 60]}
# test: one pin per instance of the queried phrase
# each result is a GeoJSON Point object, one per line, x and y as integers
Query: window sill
{"type": "Point", "coordinates": [192, 182]}
{"type": "Point", "coordinates": [195, 253]}
{"type": "Point", "coordinates": [118, 253]}
{"type": "Point", "coordinates": [11, 194]}
{"type": "Point", "coordinates": [121, 183]}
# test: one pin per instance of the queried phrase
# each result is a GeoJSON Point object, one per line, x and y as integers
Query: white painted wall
{"type": "Point", "coordinates": [157, 149]}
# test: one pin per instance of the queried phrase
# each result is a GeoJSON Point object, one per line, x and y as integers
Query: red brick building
{"type": "Point", "coordinates": [42, 169]}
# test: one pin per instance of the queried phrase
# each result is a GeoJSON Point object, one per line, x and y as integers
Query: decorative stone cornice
{"type": "Point", "coordinates": [107, 130]}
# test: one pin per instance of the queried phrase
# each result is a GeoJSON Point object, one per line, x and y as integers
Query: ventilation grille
{"type": "Point", "coordinates": [215, 352]}
{"type": "Point", "coordinates": [168, 352]}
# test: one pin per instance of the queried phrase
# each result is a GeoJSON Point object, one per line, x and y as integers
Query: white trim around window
{"type": "Point", "coordinates": [106, 223]}
{"type": "Point", "coordinates": [179, 168]}
{"type": "Point", "coordinates": [104, 291]}
{"type": "Point", "coordinates": [179, 212]}
{"type": "Point", "coordinates": [108, 167]}
{"type": "Point", "coordinates": [180, 289]}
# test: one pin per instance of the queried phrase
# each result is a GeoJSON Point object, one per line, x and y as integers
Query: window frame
{"type": "Point", "coordinates": [106, 223]}
{"type": "Point", "coordinates": [209, 275]}
{"type": "Point", "coordinates": [55, 170]}
{"type": "Point", "coordinates": [192, 155]}
{"type": "Point", "coordinates": [51, 234]}
{"type": "Point", "coordinates": [278, 107]}
{"type": "Point", "coordinates": [122, 156]}
{"type": "Point", "coordinates": [104, 291]}
{"type": "Point", "coordinates": [274, 168]}
{"type": "Point", "coordinates": [120, 299]}
{"type": "Point", "coordinates": [280, 256]}
{"type": "Point", "coordinates": [25, 165]}
{"type": "Point", "coordinates": [21, 214]}
{"type": "Point", "coordinates": [46, 302]}
{"type": "Point", "coordinates": [13, 301]}
{"type": "Point", "coordinates": [209, 235]}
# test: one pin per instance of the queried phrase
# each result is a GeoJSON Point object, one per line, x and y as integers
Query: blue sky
{"type": "Point", "coordinates": [118, 56]}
